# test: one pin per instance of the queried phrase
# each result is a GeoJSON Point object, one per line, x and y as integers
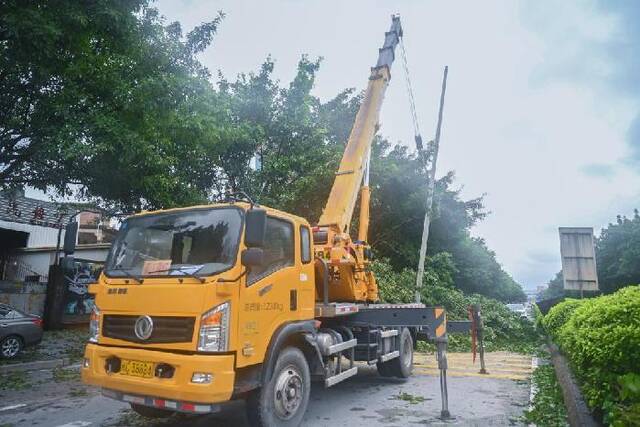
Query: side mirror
{"type": "Point", "coordinates": [256, 226]}
{"type": "Point", "coordinates": [252, 257]}
{"type": "Point", "coordinates": [70, 235]}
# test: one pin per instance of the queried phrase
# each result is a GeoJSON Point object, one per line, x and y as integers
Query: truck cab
{"type": "Point", "coordinates": [191, 297]}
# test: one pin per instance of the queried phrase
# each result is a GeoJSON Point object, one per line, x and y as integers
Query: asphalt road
{"type": "Point", "coordinates": [58, 399]}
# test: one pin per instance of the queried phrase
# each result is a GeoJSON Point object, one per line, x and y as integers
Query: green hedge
{"type": "Point", "coordinates": [538, 317]}
{"type": "Point", "coordinates": [559, 315]}
{"type": "Point", "coordinates": [601, 338]}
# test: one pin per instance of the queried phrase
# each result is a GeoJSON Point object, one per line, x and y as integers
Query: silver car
{"type": "Point", "coordinates": [17, 330]}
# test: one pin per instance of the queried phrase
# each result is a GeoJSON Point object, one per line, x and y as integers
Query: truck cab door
{"type": "Point", "coordinates": [265, 294]}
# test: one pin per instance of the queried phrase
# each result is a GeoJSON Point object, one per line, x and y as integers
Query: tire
{"type": "Point", "coordinates": [283, 400]}
{"type": "Point", "coordinates": [402, 366]}
{"type": "Point", "coordinates": [383, 369]}
{"type": "Point", "coordinates": [11, 346]}
{"type": "Point", "coordinates": [149, 412]}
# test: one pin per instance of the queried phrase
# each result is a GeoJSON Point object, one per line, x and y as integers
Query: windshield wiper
{"type": "Point", "coordinates": [129, 275]}
{"type": "Point", "coordinates": [181, 269]}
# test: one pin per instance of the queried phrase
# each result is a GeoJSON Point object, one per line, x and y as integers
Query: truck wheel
{"type": "Point", "coordinates": [383, 369]}
{"type": "Point", "coordinates": [282, 401]}
{"type": "Point", "coordinates": [149, 412]}
{"type": "Point", "coordinates": [402, 366]}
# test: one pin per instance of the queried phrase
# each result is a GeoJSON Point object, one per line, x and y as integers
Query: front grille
{"type": "Point", "coordinates": [166, 329]}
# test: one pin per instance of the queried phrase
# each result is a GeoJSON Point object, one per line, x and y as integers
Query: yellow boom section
{"type": "Point", "coordinates": [338, 211]}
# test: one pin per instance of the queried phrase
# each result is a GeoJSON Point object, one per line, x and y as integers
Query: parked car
{"type": "Point", "coordinates": [518, 309]}
{"type": "Point", "coordinates": [17, 331]}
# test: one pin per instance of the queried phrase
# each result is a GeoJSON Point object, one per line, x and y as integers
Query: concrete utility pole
{"type": "Point", "coordinates": [430, 190]}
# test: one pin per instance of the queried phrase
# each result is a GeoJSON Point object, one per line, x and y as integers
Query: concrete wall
{"type": "Point", "coordinates": [27, 297]}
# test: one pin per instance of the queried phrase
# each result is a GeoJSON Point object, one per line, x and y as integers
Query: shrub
{"type": "Point", "coordinates": [503, 329]}
{"type": "Point", "coordinates": [559, 315]}
{"type": "Point", "coordinates": [538, 317]}
{"type": "Point", "coordinates": [393, 285]}
{"type": "Point", "coordinates": [602, 341]}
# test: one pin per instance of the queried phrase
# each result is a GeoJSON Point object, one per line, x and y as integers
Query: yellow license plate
{"type": "Point", "coordinates": [136, 368]}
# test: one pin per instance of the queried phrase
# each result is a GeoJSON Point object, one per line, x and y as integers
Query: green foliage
{"type": "Point", "coordinates": [407, 397]}
{"type": "Point", "coordinates": [399, 287]}
{"type": "Point", "coordinates": [555, 288]}
{"type": "Point", "coordinates": [547, 407]}
{"type": "Point", "coordinates": [293, 135]}
{"type": "Point", "coordinates": [503, 329]}
{"type": "Point", "coordinates": [538, 318]}
{"type": "Point", "coordinates": [559, 315]}
{"type": "Point", "coordinates": [480, 272]}
{"type": "Point", "coordinates": [617, 252]}
{"type": "Point", "coordinates": [102, 98]}
{"type": "Point", "coordinates": [65, 374]}
{"type": "Point", "coordinates": [601, 339]}
{"type": "Point", "coordinates": [18, 380]}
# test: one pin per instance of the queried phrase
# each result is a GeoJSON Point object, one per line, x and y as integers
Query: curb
{"type": "Point", "coordinates": [33, 366]}
{"type": "Point", "coordinates": [535, 362]}
{"type": "Point", "coordinates": [577, 411]}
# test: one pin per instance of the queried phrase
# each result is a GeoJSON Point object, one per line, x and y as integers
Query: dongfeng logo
{"type": "Point", "coordinates": [143, 327]}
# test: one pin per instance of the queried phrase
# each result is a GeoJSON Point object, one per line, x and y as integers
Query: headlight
{"type": "Point", "coordinates": [214, 329]}
{"type": "Point", "coordinates": [94, 324]}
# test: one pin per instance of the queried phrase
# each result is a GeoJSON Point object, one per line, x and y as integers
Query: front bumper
{"type": "Point", "coordinates": [170, 405]}
{"type": "Point", "coordinates": [177, 388]}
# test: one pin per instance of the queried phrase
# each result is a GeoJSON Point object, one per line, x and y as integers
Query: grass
{"type": "Point", "coordinates": [15, 381]}
{"type": "Point", "coordinates": [63, 375]}
{"type": "Point", "coordinates": [548, 405]}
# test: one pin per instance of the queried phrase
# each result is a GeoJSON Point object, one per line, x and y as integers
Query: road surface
{"type": "Point", "coordinates": [58, 399]}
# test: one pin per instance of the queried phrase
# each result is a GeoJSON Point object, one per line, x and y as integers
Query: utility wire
{"type": "Point", "coordinates": [412, 102]}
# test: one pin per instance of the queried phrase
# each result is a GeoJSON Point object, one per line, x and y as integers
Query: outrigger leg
{"type": "Point", "coordinates": [441, 346]}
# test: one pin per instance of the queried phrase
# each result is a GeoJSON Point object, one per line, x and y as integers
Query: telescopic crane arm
{"type": "Point", "coordinates": [347, 271]}
{"type": "Point", "coordinates": [353, 174]}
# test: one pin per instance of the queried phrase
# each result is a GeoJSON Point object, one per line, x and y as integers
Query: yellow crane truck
{"type": "Point", "coordinates": [202, 305]}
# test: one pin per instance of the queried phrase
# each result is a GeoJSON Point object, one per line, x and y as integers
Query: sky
{"type": "Point", "coordinates": [542, 111]}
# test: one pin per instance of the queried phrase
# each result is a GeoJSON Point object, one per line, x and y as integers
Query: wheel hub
{"type": "Point", "coordinates": [10, 347]}
{"type": "Point", "coordinates": [288, 393]}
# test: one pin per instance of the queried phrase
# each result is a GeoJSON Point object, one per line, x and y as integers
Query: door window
{"type": "Point", "coordinates": [278, 249]}
{"type": "Point", "coordinates": [305, 244]}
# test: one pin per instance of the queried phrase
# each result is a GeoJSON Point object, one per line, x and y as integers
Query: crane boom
{"type": "Point", "coordinates": [338, 211]}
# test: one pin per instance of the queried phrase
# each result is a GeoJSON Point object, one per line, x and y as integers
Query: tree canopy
{"type": "Point", "coordinates": [101, 97]}
{"type": "Point", "coordinates": [107, 101]}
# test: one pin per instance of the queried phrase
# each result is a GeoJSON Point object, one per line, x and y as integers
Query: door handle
{"type": "Point", "coordinates": [4, 325]}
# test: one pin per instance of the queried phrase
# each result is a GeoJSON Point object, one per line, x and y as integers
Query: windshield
{"type": "Point", "coordinates": [198, 242]}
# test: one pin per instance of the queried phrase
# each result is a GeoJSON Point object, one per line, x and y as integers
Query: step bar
{"type": "Point", "coordinates": [340, 377]}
